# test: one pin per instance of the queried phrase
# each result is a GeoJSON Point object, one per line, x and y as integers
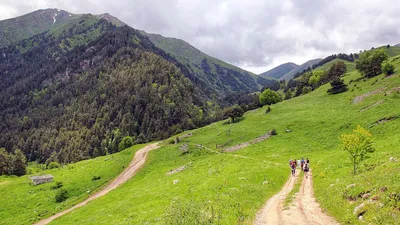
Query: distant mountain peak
{"type": "Point", "coordinates": [279, 71]}
{"type": "Point", "coordinates": [112, 19]}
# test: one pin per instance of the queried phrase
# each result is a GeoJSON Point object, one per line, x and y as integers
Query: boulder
{"type": "Point", "coordinates": [366, 196]}
{"type": "Point", "coordinates": [351, 186]}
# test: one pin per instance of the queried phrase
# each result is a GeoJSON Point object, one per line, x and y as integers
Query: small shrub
{"type": "Point", "coordinates": [273, 132]}
{"type": "Point", "coordinates": [58, 185]}
{"type": "Point", "coordinates": [53, 165]}
{"type": "Point", "coordinates": [387, 67]}
{"type": "Point", "coordinates": [268, 110]}
{"type": "Point", "coordinates": [96, 178]}
{"type": "Point", "coordinates": [61, 195]}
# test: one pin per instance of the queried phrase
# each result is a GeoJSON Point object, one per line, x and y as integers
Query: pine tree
{"type": "Point", "coordinates": [338, 86]}
{"type": "Point", "coordinates": [19, 163]}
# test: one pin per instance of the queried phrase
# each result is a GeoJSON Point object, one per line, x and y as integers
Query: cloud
{"type": "Point", "coordinates": [255, 34]}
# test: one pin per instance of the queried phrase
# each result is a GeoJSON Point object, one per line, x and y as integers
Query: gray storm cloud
{"type": "Point", "coordinates": [254, 34]}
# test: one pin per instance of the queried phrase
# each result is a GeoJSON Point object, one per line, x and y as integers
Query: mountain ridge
{"type": "Point", "coordinates": [279, 71]}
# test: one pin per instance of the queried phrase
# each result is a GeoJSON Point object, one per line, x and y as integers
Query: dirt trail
{"type": "Point", "coordinates": [304, 209]}
{"type": "Point", "coordinates": [135, 165]}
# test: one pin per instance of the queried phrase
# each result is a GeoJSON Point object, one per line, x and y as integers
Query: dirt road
{"type": "Point", "coordinates": [303, 210]}
{"type": "Point", "coordinates": [135, 165]}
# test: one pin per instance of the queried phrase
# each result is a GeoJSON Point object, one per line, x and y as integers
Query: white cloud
{"type": "Point", "coordinates": [255, 34]}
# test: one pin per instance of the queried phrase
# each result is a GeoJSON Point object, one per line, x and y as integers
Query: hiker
{"type": "Point", "coordinates": [293, 167]}
{"type": "Point", "coordinates": [298, 163]}
{"type": "Point", "coordinates": [307, 161]}
{"type": "Point", "coordinates": [306, 169]}
{"type": "Point", "coordinates": [302, 163]}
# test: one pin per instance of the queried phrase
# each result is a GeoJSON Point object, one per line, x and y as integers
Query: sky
{"type": "Point", "coordinates": [255, 35]}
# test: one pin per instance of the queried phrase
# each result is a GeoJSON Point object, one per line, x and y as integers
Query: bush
{"type": "Point", "coordinates": [96, 178]}
{"type": "Point", "coordinates": [61, 195]}
{"type": "Point", "coordinates": [53, 165]}
{"type": "Point", "coordinates": [58, 185]}
{"type": "Point", "coordinates": [268, 110]}
{"type": "Point", "coordinates": [387, 67]}
{"type": "Point", "coordinates": [269, 97]}
{"type": "Point", "coordinates": [273, 132]}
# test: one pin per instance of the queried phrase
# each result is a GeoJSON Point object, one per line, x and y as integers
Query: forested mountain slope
{"type": "Point", "coordinates": [212, 75]}
{"type": "Point", "coordinates": [79, 100]}
{"type": "Point", "coordinates": [303, 66]}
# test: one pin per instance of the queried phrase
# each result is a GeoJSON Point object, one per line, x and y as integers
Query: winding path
{"type": "Point", "coordinates": [304, 209]}
{"type": "Point", "coordinates": [135, 165]}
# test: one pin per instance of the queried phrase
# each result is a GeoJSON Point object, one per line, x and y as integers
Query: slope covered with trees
{"type": "Point", "coordinates": [210, 74]}
{"type": "Point", "coordinates": [79, 100]}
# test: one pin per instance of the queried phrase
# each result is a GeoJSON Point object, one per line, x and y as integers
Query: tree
{"type": "Point", "coordinates": [52, 158]}
{"type": "Point", "coordinates": [126, 142]}
{"type": "Point", "coordinates": [19, 163]}
{"type": "Point", "coordinates": [337, 70]}
{"type": "Point", "coordinates": [315, 78]}
{"type": "Point", "coordinates": [369, 63]}
{"type": "Point", "coordinates": [269, 97]}
{"type": "Point", "coordinates": [233, 112]}
{"type": "Point", "coordinates": [387, 67]}
{"type": "Point", "coordinates": [4, 161]}
{"type": "Point", "coordinates": [337, 86]}
{"type": "Point", "coordinates": [358, 144]}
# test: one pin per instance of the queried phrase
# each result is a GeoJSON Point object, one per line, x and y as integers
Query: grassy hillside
{"type": "Point", "coordinates": [24, 203]}
{"type": "Point", "coordinates": [26, 26]}
{"type": "Point", "coordinates": [233, 184]}
{"type": "Point", "coordinates": [280, 70]}
{"type": "Point", "coordinates": [350, 65]}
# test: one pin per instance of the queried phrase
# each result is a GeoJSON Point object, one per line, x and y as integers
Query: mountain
{"type": "Point", "coordinates": [211, 74]}
{"type": "Point", "coordinates": [280, 70]}
{"type": "Point", "coordinates": [300, 68]}
{"type": "Point", "coordinates": [79, 88]}
{"type": "Point", "coordinates": [16, 29]}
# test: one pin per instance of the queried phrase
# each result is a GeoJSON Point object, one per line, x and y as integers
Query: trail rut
{"type": "Point", "coordinates": [304, 209]}
{"type": "Point", "coordinates": [135, 165]}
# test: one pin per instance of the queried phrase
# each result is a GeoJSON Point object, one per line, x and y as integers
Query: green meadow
{"type": "Point", "coordinates": [229, 188]}
{"type": "Point", "coordinates": [23, 203]}
{"type": "Point", "coordinates": [232, 185]}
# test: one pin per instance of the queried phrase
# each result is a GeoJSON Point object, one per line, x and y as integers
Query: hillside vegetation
{"type": "Point", "coordinates": [24, 203]}
{"type": "Point", "coordinates": [16, 29]}
{"type": "Point", "coordinates": [211, 75]}
{"type": "Point", "coordinates": [232, 187]}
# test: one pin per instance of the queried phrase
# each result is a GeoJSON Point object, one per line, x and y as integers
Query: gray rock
{"type": "Point", "coordinates": [350, 186]}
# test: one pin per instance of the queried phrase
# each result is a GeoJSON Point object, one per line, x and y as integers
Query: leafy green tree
{"type": "Point", "coordinates": [369, 63]}
{"type": "Point", "coordinates": [269, 97]}
{"type": "Point", "coordinates": [337, 86]}
{"type": "Point", "coordinates": [315, 78]}
{"type": "Point", "coordinates": [233, 112]}
{"type": "Point", "coordinates": [358, 144]}
{"type": "Point", "coordinates": [387, 67]}
{"type": "Point", "coordinates": [126, 142]}
{"type": "Point", "coordinates": [288, 94]}
{"type": "Point", "coordinates": [19, 163]}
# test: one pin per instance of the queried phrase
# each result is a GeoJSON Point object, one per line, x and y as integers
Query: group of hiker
{"type": "Point", "coordinates": [303, 164]}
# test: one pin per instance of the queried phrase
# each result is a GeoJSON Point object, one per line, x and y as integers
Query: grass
{"type": "Point", "coordinates": [25, 203]}
{"type": "Point", "coordinates": [233, 184]}
{"type": "Point", "coordinates": [350, 65]}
